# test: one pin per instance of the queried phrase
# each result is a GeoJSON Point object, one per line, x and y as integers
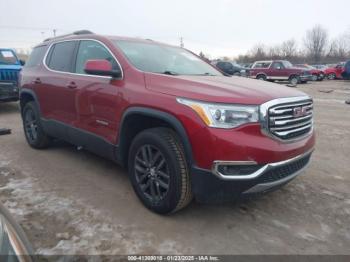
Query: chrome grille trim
{"type": "Point", "coordinates": [278, 121]}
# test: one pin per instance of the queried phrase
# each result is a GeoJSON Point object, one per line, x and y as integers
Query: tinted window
{"type": "Point", "coordinates": [262, 65]}
{"type": "Point", "coordinates": [277, 65]}
{"type": "Point", "coordinates": [91, 50]}
{"type": "Point", "coordinates": [36, 56]}
{"type": "Point", "coordinates": [60, 56]}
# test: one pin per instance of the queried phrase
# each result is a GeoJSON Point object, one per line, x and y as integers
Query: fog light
{"type": "Point", "coordinates": [238, 170]}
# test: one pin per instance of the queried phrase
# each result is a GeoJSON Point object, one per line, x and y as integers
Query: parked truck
{"type": "Point", "coordinates": [10, 66]}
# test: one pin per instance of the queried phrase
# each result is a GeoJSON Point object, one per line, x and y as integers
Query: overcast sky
{"type": "Point", "coordinates": [216, 27]}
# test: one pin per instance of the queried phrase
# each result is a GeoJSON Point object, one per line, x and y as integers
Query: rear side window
{"type": "Point", "coordinates": [61, 56]}
{"type": "Point", "coordinates": [36, 56]}
{"type": "Point", "coordinates": [262, 65]}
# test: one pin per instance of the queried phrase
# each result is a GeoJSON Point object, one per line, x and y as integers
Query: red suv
{"type": "Point", "coordinates": [180, 127]}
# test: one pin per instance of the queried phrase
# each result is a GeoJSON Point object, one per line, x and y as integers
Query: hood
{"type": "Point", "coordinates": [219, 89]}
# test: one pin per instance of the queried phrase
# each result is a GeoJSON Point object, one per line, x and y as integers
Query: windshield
{"type": "Point", "coordinates": [7, 57]}
{"type": "Point", "coordinates": [287, 64]}
{"type": "Point", "coordinates": [157, 58]}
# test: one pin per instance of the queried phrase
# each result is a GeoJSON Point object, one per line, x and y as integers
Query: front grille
{"type": "Point", "coordinates": [8, 75]}
{"type": "Point", "coordinates": [280, 172]}
{"type": "Point", "coordinates": [290, 120]}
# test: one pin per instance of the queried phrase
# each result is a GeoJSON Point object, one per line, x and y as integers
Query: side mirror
{"type": "Point", "coordinates": [22, 62]}
{"type": "Point", "coordinates": [101, 67]}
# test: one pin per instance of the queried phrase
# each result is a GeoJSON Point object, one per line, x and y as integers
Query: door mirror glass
{"type": "Point", "coordinates": [101, 67]}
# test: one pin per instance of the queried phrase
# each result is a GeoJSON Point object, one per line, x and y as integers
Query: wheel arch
{"type": "Point", "coordinates": [27, 95]}
{"type": "Point", "coordinates": [261, 73]}
{"type": "Point", "coordinates": [137, 119]}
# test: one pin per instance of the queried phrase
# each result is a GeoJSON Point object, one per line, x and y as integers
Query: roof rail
{"type": "Point", "coordinates": [80, 32]}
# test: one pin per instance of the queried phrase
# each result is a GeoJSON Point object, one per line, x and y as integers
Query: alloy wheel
{"type": "Point", "coordinates": [152, 173]}
{"type": "Point", "coordinates": [31, 125]}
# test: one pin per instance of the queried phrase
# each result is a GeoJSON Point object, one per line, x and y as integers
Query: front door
{"type": "Point", "coordinates": [96, 102]}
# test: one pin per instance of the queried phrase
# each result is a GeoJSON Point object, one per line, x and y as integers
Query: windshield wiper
{"type": "Point", "coordinates": [168, 72]}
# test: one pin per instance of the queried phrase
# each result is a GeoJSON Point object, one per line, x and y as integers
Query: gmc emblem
{"type": "Point", "coordinates": [299, 111]}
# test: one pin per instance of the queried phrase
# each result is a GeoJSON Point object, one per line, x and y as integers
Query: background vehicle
{"type": "Point", "coordinates": [318, 75]}
{"type": "Point", "coordinates": [346, 72]}
{"type": "Point", "coordinates": [14, 245]}
{"type": "Point", "coordinates": [181, 128]}
{"type": "Point", "coordinates": [320, 67]}
{"type": "Point", "coordinates": [231, 68]}
{"type": "Point", "coordinates": [335, 72]}
{"type": "Point", "coordinates": [10, 65]}
{"type": "Point", "coordinates": [279, 70]}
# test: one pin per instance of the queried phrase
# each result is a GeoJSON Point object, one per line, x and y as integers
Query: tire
{"type": "Point", "coordinates": [237, 74]}
{"type": "Point", "coordinates": [294, 80]}
{"type": "Point", "coordinates": [166, 171]}
{"type": "Point", "coordinates": [314, 77]}
{"type": "Point", "coordinates": [321, 77]}
{"type": "Point", "coordinates": [332, 76]}
{"type": "Point", "coordinates": [33, 130]}
{"type": "Point", "coordinates": [261, 77]}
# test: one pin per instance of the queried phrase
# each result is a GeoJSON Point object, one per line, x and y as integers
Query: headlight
{"type": "Point", "coordinates": [223, 115]}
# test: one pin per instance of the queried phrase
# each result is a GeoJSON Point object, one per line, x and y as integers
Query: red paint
{"type": "Point", "coordinates": [98, 65]}
{"type": "Point", "coordinates": [337, 70]}
{"type": "Point", "coordinates": [100, 98]}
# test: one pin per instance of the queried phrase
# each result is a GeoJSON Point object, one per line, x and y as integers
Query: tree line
{"type": "Point", "coordinates": [317, 47]}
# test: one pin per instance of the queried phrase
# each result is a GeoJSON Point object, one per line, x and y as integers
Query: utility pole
{"type": "Point", "coordinates": [182, 45]}
{"type": "Point", "coordinates": [54, 32]}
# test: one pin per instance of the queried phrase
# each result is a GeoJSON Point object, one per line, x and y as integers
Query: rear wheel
{"type": "Point", "coordinates": [159, 172]}
{"type": "Point", "coordinates": [33, 130]}
{"type": "Point", "coordinates": [314, 77]}
{"type": "Point", "coordinates": [261, 77]}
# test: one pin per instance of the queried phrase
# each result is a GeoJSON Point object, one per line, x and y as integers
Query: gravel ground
{"type": "Point", "coordinates": [73, 202]}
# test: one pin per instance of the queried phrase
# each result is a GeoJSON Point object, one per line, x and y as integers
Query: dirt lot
{"type": "Point", "coordinates": [73, 202]}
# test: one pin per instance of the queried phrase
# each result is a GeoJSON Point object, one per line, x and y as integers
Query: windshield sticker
{"type": "Point", "coordinates": [7, 54]}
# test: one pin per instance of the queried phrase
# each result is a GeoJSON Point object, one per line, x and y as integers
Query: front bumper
{"type": "Point", "coordinates": [8, 91]}
{"type": "Point", "coordinates": [215, 186]}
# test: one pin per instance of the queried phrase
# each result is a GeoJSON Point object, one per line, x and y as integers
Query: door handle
{"type": "Point", "coordinates": [36, 81]}
{"type": "Point", "coordinates": [72, 85]}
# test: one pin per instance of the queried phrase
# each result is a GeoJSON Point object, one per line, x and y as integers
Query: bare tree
{"type": "Point", "coordinates": [258, 52]}
{"type": "Point", "coordinates": [315, 42]}
{"type": "Point", "coordinates": [274, 52]}
{"type": "Point", "coordinates": [289, 48]}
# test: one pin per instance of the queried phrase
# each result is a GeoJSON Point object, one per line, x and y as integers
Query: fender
{"type": "Point", "coordinates": [166, 117]}
{"type": "Point", "coordinates": [32, 93]}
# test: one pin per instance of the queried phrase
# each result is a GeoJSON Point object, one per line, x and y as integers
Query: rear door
{"type": "Point", "coordinates": [58, 87]}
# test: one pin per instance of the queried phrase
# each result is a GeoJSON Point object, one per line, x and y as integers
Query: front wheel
{"type": "Point", "coordinates": [158, 171]}
{"type": "Point", "coordinates": [294, 80]}
{"type": "Point", "coordinates": [332, 76]}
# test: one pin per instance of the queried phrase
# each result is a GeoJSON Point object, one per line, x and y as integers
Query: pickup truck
{"type": "Point", "coordinates": [10, 66]}
{"type": "Point", "coordinates": [279, 70]}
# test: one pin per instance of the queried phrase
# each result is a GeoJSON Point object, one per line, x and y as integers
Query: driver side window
{"type": "Point", "coordinates": [277, 65]}
{"type": "Point", "coordinates": [91, 50]}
